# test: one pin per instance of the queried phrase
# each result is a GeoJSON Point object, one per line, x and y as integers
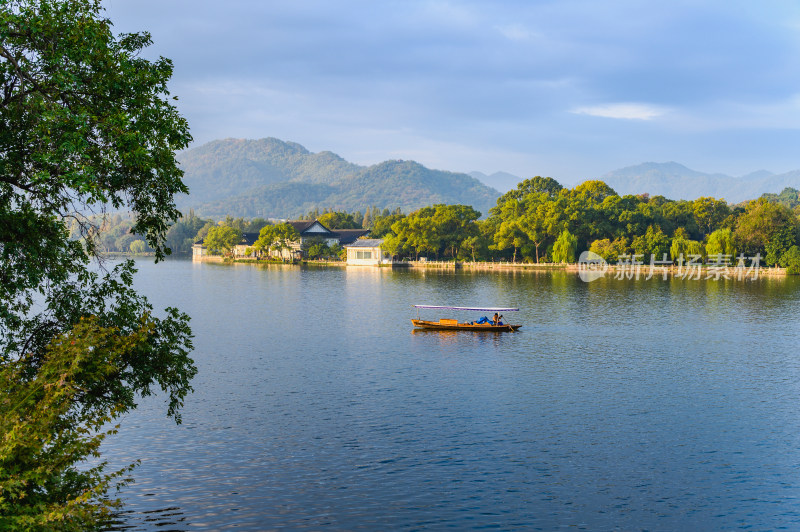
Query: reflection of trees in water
{"type": "Point", "coordinates": [466, 338]}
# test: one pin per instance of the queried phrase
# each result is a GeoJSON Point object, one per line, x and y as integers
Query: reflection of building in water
{"type": "Point", "coordinates": [367, 252]}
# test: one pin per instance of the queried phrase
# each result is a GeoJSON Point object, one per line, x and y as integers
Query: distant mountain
{"type": "Point", "coordinates": [676, 181]}
{"type": "Point", "coordinates": [758, 174]}
{"type": "Point", "coordinates": [502, 181]}
{"type": "Point", "coordinates": [228, 167]}
{"type": "Point", "coordinates": [273, 178]}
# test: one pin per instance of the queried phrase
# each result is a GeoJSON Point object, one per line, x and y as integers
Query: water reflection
{"type": "Point", "coordinates": [620, 404]}
{"type": "Point", "coordinates": [166, 519]}
{"type": "Point", "coordinates": [430, 339]}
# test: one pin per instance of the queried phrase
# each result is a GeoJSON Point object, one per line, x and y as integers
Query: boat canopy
{"type": "Point", "coordinates": [483, 309]}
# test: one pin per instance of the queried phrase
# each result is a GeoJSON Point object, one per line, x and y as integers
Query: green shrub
{"type": "Point", "coordinates": [791, 260]}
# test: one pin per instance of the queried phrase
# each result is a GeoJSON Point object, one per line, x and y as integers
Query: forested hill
{"type": "Point", "coordinates": [272, 178]}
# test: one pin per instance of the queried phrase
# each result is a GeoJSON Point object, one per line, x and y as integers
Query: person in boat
{"type": "Point", "coordinates": [496, 319]}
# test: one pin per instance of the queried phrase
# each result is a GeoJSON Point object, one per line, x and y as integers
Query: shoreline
{"type": "Point", "coordinates": [703, 272]}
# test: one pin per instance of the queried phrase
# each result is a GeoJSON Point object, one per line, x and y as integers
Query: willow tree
{"type": "Point", "coordinates": [86, 124]}
{"type": "Point", "coordinates": [564, 247]}
{"type": "Point", "coordinates": [721, 242]}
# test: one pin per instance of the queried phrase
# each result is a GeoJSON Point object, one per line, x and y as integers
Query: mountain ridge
{"type": "Point", "coordinates": [274, 178]}
{"type": "Point", "coordinates": [676, 181]}
{"type": "Point", "coordinates": [270, 177]}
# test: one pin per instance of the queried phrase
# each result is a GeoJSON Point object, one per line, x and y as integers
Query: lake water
{"type": "Point", "coordinates": [660, 405]}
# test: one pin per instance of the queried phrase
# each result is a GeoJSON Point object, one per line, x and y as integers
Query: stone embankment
{"type": "Point", "coordinates": [481, 266]}
{"type": "Point", "coordinates": [644, 270]}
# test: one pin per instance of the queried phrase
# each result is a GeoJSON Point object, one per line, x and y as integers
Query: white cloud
{"type": "Point", "coordinates": [626, 111]}
{"type": "Point", "coordinates": [492, 86]}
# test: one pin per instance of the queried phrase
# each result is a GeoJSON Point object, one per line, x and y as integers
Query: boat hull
{"type": "Point", "coordinates": [475, 327]}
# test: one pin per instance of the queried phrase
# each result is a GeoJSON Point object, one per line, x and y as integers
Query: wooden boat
{"type": "Point", "coordinates": [445, 324]}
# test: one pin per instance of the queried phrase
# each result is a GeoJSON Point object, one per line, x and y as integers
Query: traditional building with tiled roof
{"type": "Point", "coordinates": [314, 229]}
{"type": "Point", "coordinates": [307, 229]}
{"type": "Point", "coordinates": [367, 252]}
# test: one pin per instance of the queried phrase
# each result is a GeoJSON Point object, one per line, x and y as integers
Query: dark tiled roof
{"type": "Point", "coordinates": [348, 236]}
{"type": "Point", "coordinates": [366, 243]}
{"type": "Point", "coordinates": [303, 225]}
{"type": "Point", "coordinates": [345, 236]}
{"type": "Point", "coordinates": [248, 239]}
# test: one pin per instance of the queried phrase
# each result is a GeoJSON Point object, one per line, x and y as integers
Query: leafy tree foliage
{"type": "Point", "coordinates": [339, 220]}
{"type": "Point", "coordinates": [45, 435]}
{"type": "Point", "coordinates": [86, 123]}
{"type": "Point", "coordinates": [244, 225]}
{"type": "Point", "coordinates": [721, 242]}
{"type": "Point", "coordinates": [791, 260]}
{"type": "Point", "coordinates": [337, 251]}
{"type": "Point", "coordinates": [652, 242]}
{"type": "Point", "coordinates": [779, 243]}
{"type": "Point", "coordinates": [438, 230]}
{"type": "Point", "coordinates": [182, 234]}
{"type": "Point", "coordinates": [285, 236]}
{"type": "Point", "coordinates": [114, 232]}
{"type": "Point", "coordinates": [789, 197]}
{"type": "Point", "coordinates": [610, 251]}
{"type": "Point", "coordinates": [316, 248]}
{"type": "Point", "coordinates": [596, 190]}
{"type": "Point", "coordinates": [276, 237]}
{"type": "Point", "coordinates": [222, 239]}
{"type": "Point", "coordinates": [534, 185]}
{"type": "Point", "coordinates": [531, 218]}
{"type": "Point", "coordinates": [679, 216]}
{"type": "Point", "coordinates": [682, 246]}
{"type": "Point", "coordinates": [527, 223]}
{"type": "Point", "coordinates": [137, 246]}
{"type": "Point", "coordinates": [473, 245]}
{"type": "Point", "coordinates": [509, 234]}
{"type": "Point", "coordinates": [265, 238]}
{"type": "Point", "coordinates": [254, 225]}
{"type": "Point", "coordinates": [760, 222]}
{"type": "Point", "coordinates": [565, 246]}
{"type": "Point", "coordinates": [382, 224]}
{"type": "Point", "coordinates": [709, 213]}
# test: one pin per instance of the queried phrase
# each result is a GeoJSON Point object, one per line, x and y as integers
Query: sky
{"type": "Point", "coordinates": [569, 89]}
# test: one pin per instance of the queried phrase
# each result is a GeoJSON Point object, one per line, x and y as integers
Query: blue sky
{"type": "Point", "coordinates": [569, 89]}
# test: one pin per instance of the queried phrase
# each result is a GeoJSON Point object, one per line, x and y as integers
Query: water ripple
{"type": "Point", "coordinates": [620, 405]}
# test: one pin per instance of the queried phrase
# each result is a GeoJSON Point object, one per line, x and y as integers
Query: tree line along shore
{"type": "Point", "coordinates": [538, 222]}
